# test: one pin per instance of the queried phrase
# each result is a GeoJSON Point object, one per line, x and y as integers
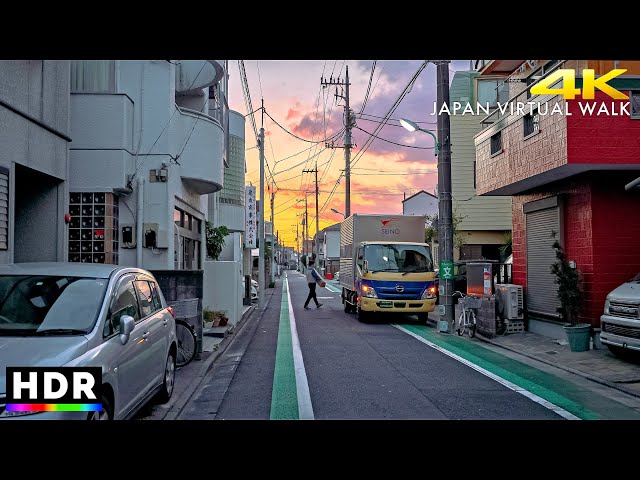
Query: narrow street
{"type": "Point", "coordinates": [325, 364]}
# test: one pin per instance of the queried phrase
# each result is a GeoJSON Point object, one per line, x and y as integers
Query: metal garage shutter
{"type": "Point", "coordinates": [4, 208]}
{"type": "Point", "coordinates": [541, 288]}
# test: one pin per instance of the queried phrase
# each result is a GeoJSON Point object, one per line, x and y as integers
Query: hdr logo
{"type": "Point", "coordinates": [57, 389]}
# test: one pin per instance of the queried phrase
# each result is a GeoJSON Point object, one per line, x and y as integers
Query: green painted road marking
{"type": "Point", "coordinates": [332, 288]}
{"type": "Point", "coordinates": [542, 384]}
{"type": "Point", "coordinates": [284, 400]}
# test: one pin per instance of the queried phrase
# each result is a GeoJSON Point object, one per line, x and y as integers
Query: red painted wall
{"type": "Point", "coordinates": [603, 139]}
{"type": "Point", "coordinates": [601, 233]}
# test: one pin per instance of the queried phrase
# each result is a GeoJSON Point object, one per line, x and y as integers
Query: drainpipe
{"type": "Point", "coordinates": [139, 221]}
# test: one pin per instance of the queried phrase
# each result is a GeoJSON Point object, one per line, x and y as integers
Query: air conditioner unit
{"type": "Point", "coordinates": [509, 301]}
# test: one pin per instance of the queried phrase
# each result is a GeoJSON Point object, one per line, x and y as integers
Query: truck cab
{"type": "Point", "coordinates": [392, 277]}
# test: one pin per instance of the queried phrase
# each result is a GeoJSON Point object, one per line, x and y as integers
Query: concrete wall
{"type": "Point", "coordinates": [38, 89]}
{"type": "Point", "coordinates": [221, 293]}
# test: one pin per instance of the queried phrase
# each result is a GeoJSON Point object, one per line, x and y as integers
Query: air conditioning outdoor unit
{"type": "Point", "coordinates": [509, 301]}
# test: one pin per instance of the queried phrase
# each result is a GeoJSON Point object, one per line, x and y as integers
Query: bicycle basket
{"type": "Point", "coordinates": [472, 302]}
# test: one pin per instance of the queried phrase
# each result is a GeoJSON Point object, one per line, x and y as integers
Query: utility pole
{"type": "Point", "coordinates": [306, 226]}
{"type": "Point", "coordinates": [273, 246]}
{"type": "Point", "coordinates": [315, 170]}
{"type": "Point", "coordinates": [445, 208]}
{"type": "Point", "coordinates": [261, 272]}
{"type": "Point", "coordinates": [349, 123]}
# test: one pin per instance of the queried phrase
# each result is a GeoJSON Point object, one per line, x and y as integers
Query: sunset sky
{"type": "Point", "coordinates": [294, 98]}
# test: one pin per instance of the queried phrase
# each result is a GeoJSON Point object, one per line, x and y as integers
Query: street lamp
{"type": "Point", "coordinates": [445, 210]}
{"type": "Point", "coordinates": [413, 126]}
{"type": "Point", "coordinates": [336, 211]}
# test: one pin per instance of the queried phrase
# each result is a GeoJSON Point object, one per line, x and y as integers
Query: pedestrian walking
{"type": "Point", "coordinates": [313, 278]}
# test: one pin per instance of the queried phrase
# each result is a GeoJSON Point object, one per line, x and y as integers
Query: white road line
{"type": "Point", "coordinates": [512, 386]}
{"type": "Point", "coordinates": [305, 409]}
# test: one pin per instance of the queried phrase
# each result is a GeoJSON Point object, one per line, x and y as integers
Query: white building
{"type": "Point", "coordinates": [149, 144]}
{"type": "Point", "coordinates": [34, 160]}
{"type": "Point", "coordinates": [421, 203]}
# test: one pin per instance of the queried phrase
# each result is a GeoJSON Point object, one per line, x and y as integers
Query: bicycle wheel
{"type": "Point", "coordinates": [472, 324]}
{"type": "Point", "coordinates": [461, 322]}
{"type": "Point", "coordinates": [186, 339]}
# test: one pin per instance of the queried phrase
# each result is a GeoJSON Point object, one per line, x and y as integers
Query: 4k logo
{"type": "Point", "coordinates": [589, 84]}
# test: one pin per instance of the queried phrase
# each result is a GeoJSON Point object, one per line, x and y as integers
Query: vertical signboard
{"type": "Point", "coordinates": [250, 219]}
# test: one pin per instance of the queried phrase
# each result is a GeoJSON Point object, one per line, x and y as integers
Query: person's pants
{"type": "Point", "coordinates": [312, 294]}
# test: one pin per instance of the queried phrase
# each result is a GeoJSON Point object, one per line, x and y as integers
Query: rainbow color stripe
{"type": "Point", "coordinates": [54, 407]}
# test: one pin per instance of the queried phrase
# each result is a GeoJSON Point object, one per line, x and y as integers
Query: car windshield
{"type": "Point", "coordinates": [398, 258]}
{"type": "Point", "coordinates": [49, 305]}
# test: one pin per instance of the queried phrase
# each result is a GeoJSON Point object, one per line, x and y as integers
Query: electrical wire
{"type": "Point", "coordinates": [395, 105]}
{"type": "Point", "coordinates": [290, 133]}
{"type": "Point", "coordinates": [396, 120]}
{"type": "Point", "coordinates": [395, 143]}
{"type": "Point", "coordinates": [366, 96]}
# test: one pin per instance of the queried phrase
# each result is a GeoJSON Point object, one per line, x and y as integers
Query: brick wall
{"type": "Point", "coordinates": [600, 233]}
{"type": "Point", "coordinates": [522, 158]}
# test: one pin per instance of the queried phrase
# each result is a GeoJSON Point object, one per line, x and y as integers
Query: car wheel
{"type": "Point", "coordinates": [169, 379]}
{"type": "Point", "coordinates": [105, 414]}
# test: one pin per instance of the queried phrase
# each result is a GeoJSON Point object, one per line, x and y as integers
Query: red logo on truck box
{"type": "Point", "coordinates": [388, 230]}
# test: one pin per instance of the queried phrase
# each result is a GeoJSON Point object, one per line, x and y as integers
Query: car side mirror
{"type": "Point", "coordinates": [127, 324]}
{"type": "Point", "coordinates": [365, 267]}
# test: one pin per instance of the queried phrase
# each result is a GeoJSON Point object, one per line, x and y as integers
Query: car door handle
{"type": "Point", "coordinates": [145, 335]}
{"type": "Point", "coordinates": [165, 322]}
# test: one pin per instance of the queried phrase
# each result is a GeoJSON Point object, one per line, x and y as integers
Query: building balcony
{"type": "Point", "coordinates": [202, 137]}
{"type": "Point", "coordinates": [194, 75]}
{"type": "Point", "coordinates": [554, 138]}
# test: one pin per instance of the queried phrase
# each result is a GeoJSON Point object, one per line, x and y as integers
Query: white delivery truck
{"type": "Point", "coordinates": [385, 266]}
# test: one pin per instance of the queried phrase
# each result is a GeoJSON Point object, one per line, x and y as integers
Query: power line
{"type": "Point", "coordinates": [395, 119]}
{"type": "Point", "coordinates": [366, 96]}
{"type": "Point", "coordinates": [395, 143]}
{"type": "Point", "coordinates": [290, 133]}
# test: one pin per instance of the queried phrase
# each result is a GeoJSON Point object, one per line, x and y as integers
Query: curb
{"type": "Point", "coordinates": [593, 378]}
{"type": "Point", "coordinates": [176, 409]}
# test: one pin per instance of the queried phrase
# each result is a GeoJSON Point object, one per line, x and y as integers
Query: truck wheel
{"type": "Point", "coordinates": [423, 318]}
{"type": "Point", "coordinates": [347, 307]}
{"type": "Point", "coordinates": [362, 315]}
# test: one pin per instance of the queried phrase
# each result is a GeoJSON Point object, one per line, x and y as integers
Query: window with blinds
{"type": "Point", "coordinates": [93, 76]}
{"type": "Point", "coordinates": [4, 208]}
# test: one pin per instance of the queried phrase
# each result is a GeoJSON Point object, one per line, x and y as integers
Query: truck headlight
{"type": "Point", "coordinates": [429, 293]}
{"type": "Point", "coordinates": [368, 291]}
{"type": "Point", "coordinates": [606, 307]}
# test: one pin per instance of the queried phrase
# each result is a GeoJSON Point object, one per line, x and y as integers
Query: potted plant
{"type": "Point", "coordinates": [571, 296]}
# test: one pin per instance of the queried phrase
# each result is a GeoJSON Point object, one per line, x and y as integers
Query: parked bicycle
{"type": "Point", "coordinates": [186, 337]}
{"type": "Point", "coordinates": [467, 319]}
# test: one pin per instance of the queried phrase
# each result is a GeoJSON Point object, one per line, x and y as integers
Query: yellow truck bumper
{"type": "Point", "coordinates": [398, 306]}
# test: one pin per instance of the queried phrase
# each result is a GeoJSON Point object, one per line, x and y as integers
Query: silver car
{"type": "Point", "coordinates": [75, 314]}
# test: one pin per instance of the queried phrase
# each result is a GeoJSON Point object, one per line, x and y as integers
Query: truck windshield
{"type": "Point", "coordinates": [398, 258]}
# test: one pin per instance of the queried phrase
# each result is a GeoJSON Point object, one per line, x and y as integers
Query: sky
{"type": "Point", "coordinates": [380, 177]}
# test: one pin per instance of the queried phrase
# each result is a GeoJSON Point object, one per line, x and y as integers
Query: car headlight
{"type": "Point", "coordinates": [606, 307]}
{"type": "Point", "coordinates": [429, 293]}
{"type": "Point", "coordinates": [368, 291]}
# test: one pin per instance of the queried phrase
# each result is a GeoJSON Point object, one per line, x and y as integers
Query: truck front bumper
{"type": "Point", "coordinates": [401, 306]}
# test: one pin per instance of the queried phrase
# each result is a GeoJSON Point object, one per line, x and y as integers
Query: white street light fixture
{"type": "Point", "coordinates": [336, 211]}
{"type": "Point", "coordinates": [413, 126]}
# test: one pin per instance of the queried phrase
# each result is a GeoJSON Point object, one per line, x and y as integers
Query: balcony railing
{"type": "Point", "coordinates": [540, 73]}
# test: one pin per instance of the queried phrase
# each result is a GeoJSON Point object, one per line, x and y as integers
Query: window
{"type": "Point", "coordinates": [635, 104]}
{"type": "Point", "coordinates": [4, 208]}
{"type": "Point", "coordinates": [146, 298]}
{"type": "Point", "coordinates": [360, 259]}
{"type": "Point", "coordinates": [178, 217]}
{"type": "Point", "coordinates": [94, 76]}
{"type": "Point", "coordinates": [125, 303]}
{"type": "Point", "coordinates": [398, 258]}
{"type": "Point", "coordinates": [474, 174]}
{"type": "Point", "coordinates": [157, 301]}
{"type": "Point", "coordinates": [496, 143]}
{"type": "Point", "coordinates": [530, 123]}
{"type": "Point", "coordinates": [488, 92]}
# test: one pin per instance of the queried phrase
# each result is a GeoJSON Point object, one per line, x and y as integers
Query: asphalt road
{"type": "Point", "coordinates": [345, 370]}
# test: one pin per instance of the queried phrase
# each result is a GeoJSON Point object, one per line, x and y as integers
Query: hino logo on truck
{"type": "Point", "coordinates": [387, 229]}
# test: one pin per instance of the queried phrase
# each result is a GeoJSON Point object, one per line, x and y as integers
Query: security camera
{"type": "Point", "coordinates": [164, 164]}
